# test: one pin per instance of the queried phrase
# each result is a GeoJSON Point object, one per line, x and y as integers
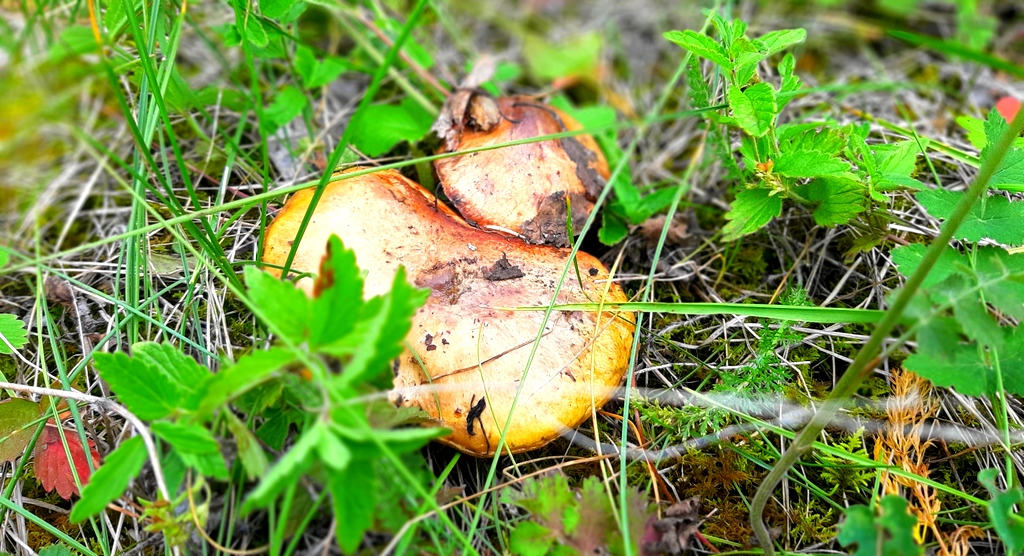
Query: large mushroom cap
{"type": "Point", "coordinates": [473, 349]}
{"type": "Point", "coordinates": [532, 180]}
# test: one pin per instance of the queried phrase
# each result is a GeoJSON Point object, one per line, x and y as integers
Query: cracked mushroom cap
{"type": "Point", "coordinates": [532, 180]}
{"type": "Point", "coordinates": [473, 349]}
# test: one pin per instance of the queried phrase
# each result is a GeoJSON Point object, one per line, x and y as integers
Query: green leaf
{"type": "Point", "coordinates": [251, 28]}
{"type": "Point", "coordinates": [890, 533]}
{"type": "Point", "coordinates": [896, 158]}
{"type": "Point", "coordinates": [109, 482]}
{"type": "Point", "coordinates": [288, 469]}
{"type": "Point", "coordinates": [287, 104]}
{"type": "Point", "coordinates": [613, 228]}
{"type": "Point", "coordinates": [145, 389]}
{"type": "Point", "coordinates": [789, 82]}
{"type": "Point", "coordinates": [249, 371]}
{"type": "Point", "coordinates": [1001, 275]}
{"type": "Point", "coordinates": [376, 129]}
{"type": "Point", "coordinates": [809, 164]}
{"type": "Point", "coordinates": [354, 497]}
{"type": "Point", "coordinates": [754, 108]}
{"type": "Point", "coordinates": [340, 295]}
{"type": "Point", "coordinates": [1009, 175]}
{"type": "Point", "coordinates": [752, 209]}
{"type": "Point", "coordinates": [530, 538]}
{"type": "Point", "coordinates": [333, 452]}
{"type": "Point", "coordinates": [15, 415]}
{"type": "Point", "coordinates": [186, 438]}
{"type": "Point", "coordinates": [274, 9]}
{"type": "Point", "coordinates": [839, 200]}
{"type": "Point", "coordinates": [317, 73]}
{"type": "Point", "coordinates": [12, 331]}
{"type": "Point", "coordinates": [1007, 523]}
{"type": "Point", "coordinates": [364, 441]}
{"type": "Point", "coordinates": [777, 41]}
{"type": "Point", "coordinates": [250, 453]}
{"type": "Point", "coordinates": [701, 45]}
{"type": "Point", "coordinates": [182, 369]}
{"type": "Point", "coordinates": [579, 56]}
{"type": "Point", "coordinates": [908, 258]}
{"type": "Point", "coordinates": [207, 465]}
{"type": "Point", "coordinates": [994, 217]}
{"type": "Point", "coordinates": [961, 366]}
{"type": "Point", "coordinates": [975, 129]}
{"type": "Point", "coordinates": [287, 306]}
{"type": "Point", "coordinates": [386, 321]}
{"type": "Point", "coordinates": [57, 550]}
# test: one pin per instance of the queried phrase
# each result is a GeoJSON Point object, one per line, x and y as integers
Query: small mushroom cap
{"type": "Point", "coordinates": [532, 180]}
{"type": "Point", "coordinates": [467, 351]}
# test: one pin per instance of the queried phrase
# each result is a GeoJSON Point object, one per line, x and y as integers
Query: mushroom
{"type": "Point", "coordinates": [467, 351]}
{"type": "Point", "coordinates": [531, 179]}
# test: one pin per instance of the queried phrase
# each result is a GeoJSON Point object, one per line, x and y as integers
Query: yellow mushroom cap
{"type": "Point", "coordinates": [467, 351]}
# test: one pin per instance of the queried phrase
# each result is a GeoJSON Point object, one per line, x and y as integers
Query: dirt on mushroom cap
{"type": "Point", "coordinates": [532, 179]}
{"type": "Point", "coordinates": [473, 349]}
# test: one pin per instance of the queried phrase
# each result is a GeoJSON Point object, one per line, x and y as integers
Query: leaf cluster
{"type": "Point", "coordinates": [828, 168]}
{"type": "Point", "coordinates": [338, 436]}
{"type": "Point", "coordinates": [565, 521]}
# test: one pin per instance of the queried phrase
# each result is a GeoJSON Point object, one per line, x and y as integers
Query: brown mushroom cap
{"type": "Point", "coordinates": [473, 351]}
{"type": "Point", "coordinates": [532, 180]}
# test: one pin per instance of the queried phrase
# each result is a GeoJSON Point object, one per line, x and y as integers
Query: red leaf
{"type": "Point", "coordinates": [51, 461]}
{"type": "Point", "coordinates": [1008, 107]}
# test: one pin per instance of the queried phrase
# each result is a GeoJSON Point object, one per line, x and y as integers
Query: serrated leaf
{"type": "Point", "coordinates": [274, 9]}
{"type": "Point", "coordinates": [908, 258]}
{"type": "Point", "coordinates": [788, 81]}
{"type": "Point", "coordinates": [754, 108]}
{"type": "Point", "coordinates": [970, 312]}
{"type": "Point", "coordinates": [809, 164]}
{"type": "Point", "coordinates": [890, 533]}
{"type": "Point", "coordinates": [839, 200]}
{"type": "Point", "coordinates": [752, 209]}
{"type": "Point", "coordinates": [15, 415]}
{"type": "Point", "coordinates": [530, 538]}
{"type": "Point", "coordinates": [1009, 175]}
{"type": "Point", "coordinates": [1002, 277]}
{"type": "Point", "coordinates": [384, 324]}
{"type": "Point", "coordinates": [777, 41]}
{"type": "Point", "coordinates": [57, 550]}
{"type": "Point", "coordinates": [182, 369]}
{"type": "Point", "coordinates": [111, 479]}
{"type": "Point", "coordinates": [353, 497]}
{"type": "Point", "coordinates": [145, 389]}
{"type": "Point", "coordinates": [701, 45]}
{"type": "Point", "coordinates": [1008, 523]}
{"type": "Point", "coordinates": [994, 217]}
{"type": "Point", "coordinates": [249, 371]}
{"type": "Point", "coordinates": [284, 304]}
{"type": "Point", "coordinates": [286, 106]}
{"type": "Point", "coordinates": [186, 438]}
{"type": "Point", "coordinates": [896, 158]}
{"type": "Point", "coordinates": [208, 465]}
{"type": "Point", "coordinates": [51, 463]}
{"type": "Point", "coordinates": [961, 366]}
{"type": "Point", "coordinates": [317, 73]}
{"type": "Point", "coordinates": [377, 128]}
{"type": "Point", "coordinates": [12, 330]}
{"type": "Point", "coordinates": [286, 471]}
{"type": "Point", "coordinates": [339, 295]}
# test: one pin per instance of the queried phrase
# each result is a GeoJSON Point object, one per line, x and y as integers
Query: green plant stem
{"type": "Point", "coordinates": [863, 365]}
